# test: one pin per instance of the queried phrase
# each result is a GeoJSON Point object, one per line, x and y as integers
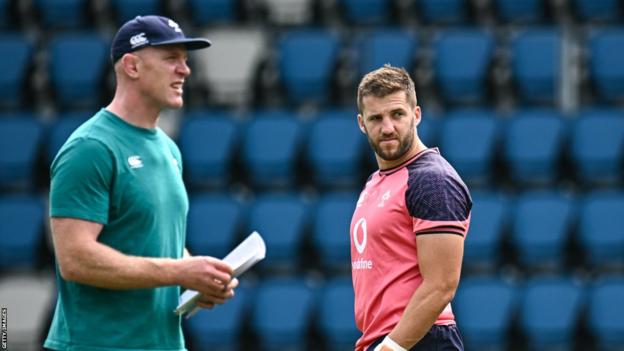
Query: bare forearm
{"type": "Point", "coordinates": [100, 265]}
{"type": "Point", "coordinates": [83, 259]}
{"type": "Point", "coordinates": [426, 304]}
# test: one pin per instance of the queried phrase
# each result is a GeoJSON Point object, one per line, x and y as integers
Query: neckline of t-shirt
{"type": "Point", "coordinates": [407, 162]}
{"type": "Point", "coordinates": [148, 132]}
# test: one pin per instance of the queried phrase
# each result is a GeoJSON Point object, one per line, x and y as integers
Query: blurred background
{"type": "Point", "coordinates": [524, 97]}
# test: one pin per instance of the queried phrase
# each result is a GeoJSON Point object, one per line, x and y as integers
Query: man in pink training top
{"type": "Point", "coordinates": [408, 228]}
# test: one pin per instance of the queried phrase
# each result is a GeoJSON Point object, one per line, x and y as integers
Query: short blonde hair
{"type": "Point", "coordinates": [384, 81]}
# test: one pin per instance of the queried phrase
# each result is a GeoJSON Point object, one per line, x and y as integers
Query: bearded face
{"type": "Point", "coordinates": [392, 147]}
{"type": "Point", "coordinates": [389, 123]}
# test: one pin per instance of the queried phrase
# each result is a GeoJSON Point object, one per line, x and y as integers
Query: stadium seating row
{"type": "Point", "coordinates": [70, 13]}
{"type": "Point", "coordinates": [307, 59]}
{"type": "Point", "coordinates": [281, 313]}
{"type": "Point", "coordinates": [540, 226]}
{"type": "Point", "coordinates": [278, 149]}
{"type": "Point", "coordinates": [305, 235]}
{"type": "Point", "coordinates": [548, 312]}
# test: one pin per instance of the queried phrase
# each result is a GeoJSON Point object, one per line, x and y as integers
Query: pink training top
{"type": "Point", "coordinates": [425, 195]}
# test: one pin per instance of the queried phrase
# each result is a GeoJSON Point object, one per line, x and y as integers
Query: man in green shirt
{"type": "Point", "coordinates": [118, 208]}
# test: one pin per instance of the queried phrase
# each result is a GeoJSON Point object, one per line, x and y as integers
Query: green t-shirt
{"type": "Point", "coordinates": [130, 180]}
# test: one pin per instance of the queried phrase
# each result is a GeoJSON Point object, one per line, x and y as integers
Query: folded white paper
{"type": "Point", "coordinates": [245, 255]}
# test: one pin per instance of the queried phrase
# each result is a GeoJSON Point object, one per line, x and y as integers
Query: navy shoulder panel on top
{"type": "Point", "coordinates": [435, 192]}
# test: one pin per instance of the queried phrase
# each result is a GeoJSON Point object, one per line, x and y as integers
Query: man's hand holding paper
{"type": "Point", "coordinates": [209, 276]}
{"type": "Point", "coordinates": [245, 255]}
{"type": "Point", "coordinates": [209, 300]}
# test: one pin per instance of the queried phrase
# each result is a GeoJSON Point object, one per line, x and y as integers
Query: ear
{"type": "Point", "coordinates": [360, 120]}
{"type": "Point", "coordinates": [130, 65]}
{"type": "Point", "coordinates": [417, 115]}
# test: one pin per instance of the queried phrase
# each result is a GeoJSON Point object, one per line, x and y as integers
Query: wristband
{"type": "Point", "coordinates": [391, 344]}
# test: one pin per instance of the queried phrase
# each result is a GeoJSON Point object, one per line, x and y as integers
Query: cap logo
{"type": "Point", "coordinates": [175, 26]}
{"type": "Point", "coordinates": [138, 40]}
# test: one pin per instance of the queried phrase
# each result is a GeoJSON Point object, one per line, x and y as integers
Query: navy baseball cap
{"type": "Point", "coordinates": [145, 31]}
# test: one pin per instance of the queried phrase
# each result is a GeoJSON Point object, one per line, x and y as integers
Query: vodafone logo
{"type": "Point", "coordinates": [360, 263]}
{"type": "Point", "coordinates": [360, 225]}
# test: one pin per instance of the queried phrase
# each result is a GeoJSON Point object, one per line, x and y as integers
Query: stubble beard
{"type": "Point", "coordinates": [405, 144]}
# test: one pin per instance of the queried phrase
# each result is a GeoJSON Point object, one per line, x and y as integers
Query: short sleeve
{"type": "Point", "coordinates": [81, 181]}
{"type": "Point", "coordinates": [439, 202]}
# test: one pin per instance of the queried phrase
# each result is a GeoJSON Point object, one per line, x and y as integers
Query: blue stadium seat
{"type": "Point", "coordinates": [366, 11]}
{"type": "Point", "coordinates": [536, 62]}
{"type": "Point", "coordinates": [606, 312]}
{"type": "Point", "coordinates": [281, 220]}
{"type": "Point", "coordinates": [597, 10]}
{"type": "Point", "coordinates": [60, 130]}
{"type": "Point", "coordinates": [542, 221]}
{"type": "Point", "coordinates": [391, 45]}
{"type": "Point", "coordinates": [21, 231]}
{"type": "Point", "coordinates": [336, 317]}
{"type": "Point", "coordinates": [537, 161]}
{"type": "Point", "coordinates": [17, 54]}
{"type": "Point", "coordinates": [282, 313]}
{"type": "Point", "coordinates": [600, 230]}
{"type": "Point", "coordinates": [443, 11]}
{"type": "Point", "coordinates": [606, 64]}
{"type": "Point", "coordinates": [463, 81]}
{"type": "Point", "coordinates": [214, 223]}
{"type": "Point", "coordinates": [519, 11]}
{"type": "Point", "coordinates": [62, 13]}
{"type": "Point", "coordinates": [468, 141]}
{"type": "Point", "coordinates": [271, 145]}
{"type": "Point", "coordinates": [126, 10]}
{"type": "Point", "coordinates": [597, 149]}
{"type": "Point", "coordinates": [220, 328]}
{"type": "Point", "coordinates": [205, 12]}
{"type": "Point", "coordinates": [208, 143]}
{"type": "Point", "coordinates": [330, 229]}
{"type": "Point", "coordinates": [20, 141]}
{"type": "Point", "coordinates": [335, 148]}
{"type": "Point", "coordinates": [549, 312]}
{"type": "Point", "coordinates": [78, 62]}
{"type": "Point", "coordinates": [307, 60]}
{"type": "Point", "coordinates": [487, 224]}
{"type": "Point", "coordinates": [484, 308]}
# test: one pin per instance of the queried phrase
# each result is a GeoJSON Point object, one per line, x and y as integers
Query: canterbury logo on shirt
{"type": "Point", "coordinates": [135, 161]}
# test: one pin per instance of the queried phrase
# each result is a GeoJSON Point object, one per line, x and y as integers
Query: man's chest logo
{"type": "Point", "coordinates": [385, 197]}
{"type": "Point", "coordinates": [135, 161]}
{"type": "Point", "coordinates": [360, 227]}
{"type": "Point", "coordinates": [365, 195]}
